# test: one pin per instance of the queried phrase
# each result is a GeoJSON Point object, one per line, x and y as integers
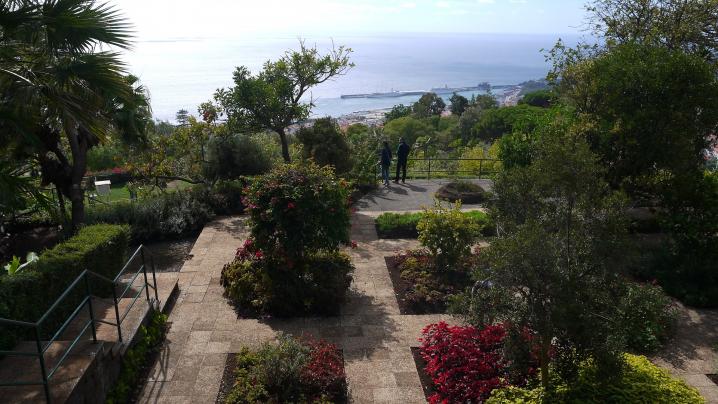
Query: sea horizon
{"type": "Point", "coordinates": [181, 73]}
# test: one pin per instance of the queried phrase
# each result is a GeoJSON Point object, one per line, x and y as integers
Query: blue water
{"type": "Point", "coordinates": [182, 73]}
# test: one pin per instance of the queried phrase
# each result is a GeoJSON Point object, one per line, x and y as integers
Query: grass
{"type": "Point", "coordinates": [403, 225]}
{"type": "Point", "coordinates": [120, 192]}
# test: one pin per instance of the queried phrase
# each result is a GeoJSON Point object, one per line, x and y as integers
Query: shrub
{"type": "Point", "coordinates": [464, 363]}
{"type": "Point", "coordinates": [28, 294]}
{"type": "Point", "coordinates": [326, 145]}
{"type": "Point", "coordinates": [172, 214]}
{"type": "Point", "coordinates": [403, 225]}
{"type": "Point", "coordinates": [291, 370]}
{"type": "Point", "coordinates": [447, 234]}
{"type": "Point", "coordinates": [430, 290]}
{"type": "Point", "coordinates": [262, 283]}
{"type": "Point", "coordinates": [649, 317]}
{"type": "Point", "coordinates": [640, 382]}
{"type": "Point", "coordinates": [298, 209]}
{"type": "Point", "coordinates": [233, 156]}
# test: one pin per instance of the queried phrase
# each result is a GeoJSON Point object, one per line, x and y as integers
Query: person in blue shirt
{"type": "Point", "coordinates": [385, 163]}
{"type": "Point", "coordinates": [402, 155]}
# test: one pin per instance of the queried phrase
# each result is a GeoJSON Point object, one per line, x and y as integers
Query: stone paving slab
{"type": "Point", "coordinates": [410, 196]}
{"type": "Point", "coordinates": [375, 338]}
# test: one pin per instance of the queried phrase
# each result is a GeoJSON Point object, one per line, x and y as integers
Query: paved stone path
{"type": "Point", "coordinates": [375, 338]}
{"type": "Point", "coordinates": [410, 196]}
{"type": "Point", "coordinates": [691, 354]}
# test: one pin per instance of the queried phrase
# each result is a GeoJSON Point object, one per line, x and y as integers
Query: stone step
{"type": "Point", "coordinates": [63, 381]}
{"type": "Point", "coordinates": [71, 382]}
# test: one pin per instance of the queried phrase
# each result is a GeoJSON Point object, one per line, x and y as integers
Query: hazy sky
{"type": "Point", "coordinates": [158, 19]}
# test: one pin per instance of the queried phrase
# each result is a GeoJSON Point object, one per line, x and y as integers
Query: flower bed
{"type": "Point", "coordinates": [291, 370]}
{"type": "Point", "coordinates": [462, 191]}
{"type": "Point", "coordinates": [465, 364]}
{"type": "Point", "coordinates": [420, 288]}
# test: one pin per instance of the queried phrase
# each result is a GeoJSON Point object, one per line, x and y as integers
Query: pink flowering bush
{"type": "Point", "coordinates": [291, 263]}
{"type": "Point", "coordinates": [299, 209]}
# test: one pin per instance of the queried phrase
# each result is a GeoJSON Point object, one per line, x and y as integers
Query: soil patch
{"type": "Point", "coordinates": [426, 384]}
{"type": "Point", "coordinates": [230, 364]}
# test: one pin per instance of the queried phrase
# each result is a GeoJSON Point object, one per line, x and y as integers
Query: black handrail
{"type": "Point", "coordinates": [90, 324]}
{"type": "Point", "coordinates": [428, 161]}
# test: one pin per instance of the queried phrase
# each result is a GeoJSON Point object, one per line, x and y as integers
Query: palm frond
{"type": "Point", "coordinates": [81, 25]}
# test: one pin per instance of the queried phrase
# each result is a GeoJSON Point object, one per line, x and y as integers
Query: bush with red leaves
{"type": "Point", "coordinates": [324, 372]}
{"type": "Point", "coordinates": [464, 363]}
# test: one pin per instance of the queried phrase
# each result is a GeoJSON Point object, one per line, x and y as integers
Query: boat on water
{"type": "Point", "coordinates": [437, 90]}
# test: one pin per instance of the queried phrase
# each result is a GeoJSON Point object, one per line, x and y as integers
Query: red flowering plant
{"type": "Point", "coordinates": [465, 364]}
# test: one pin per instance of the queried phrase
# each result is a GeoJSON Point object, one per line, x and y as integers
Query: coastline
{"type": "Point", "coordinates": [375, 117]}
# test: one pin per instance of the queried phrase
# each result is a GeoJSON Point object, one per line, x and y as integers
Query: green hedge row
{"type": "Point", "coordinates": [403, 225]}
{"type": "Point", "coordinates": [27, 295]}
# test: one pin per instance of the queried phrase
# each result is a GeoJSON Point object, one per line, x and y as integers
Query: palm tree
{"type": "Point", "coordinates": [63, 89]}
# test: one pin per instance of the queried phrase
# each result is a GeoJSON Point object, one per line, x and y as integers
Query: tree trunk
{"type": "Point", "coordinates": [544, 359]}
{"type": "Point", "coordinates": [285, 146]}
{"type": "Point", "coordinates": [79, 146]}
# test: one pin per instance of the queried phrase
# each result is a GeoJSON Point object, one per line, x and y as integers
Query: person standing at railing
{"type": "Point", "coordinates": [385, 163]}
{"type": "Point", "coordinates": [402, 156]}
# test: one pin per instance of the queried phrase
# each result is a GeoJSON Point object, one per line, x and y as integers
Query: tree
{"type": "Point", "coordinates": [653, 110]}
{"type": "Point", "coordinates": [326, 145]}
{"type": "Point", "coordinates": [182, 117]}
{"type": "Point", "coordinates": [397, 111]}
{"type": "Point", "coordinates": [272, 99]}
{"type": "Point", "coordinates": [60, 93]}
{"type": "Point", "coordinates": [458, 104]}
{"type": "Point", "coordinates": [497, 122]}
{"type": "Point", "coordinates": [540, 98]}
{"type": "Point", "coordinates": [562, 240]}
{"type": "Point", "coordinates": [484, 101]}
{"type": "Point", "coordinates": [409, 128]}
{"type": "Point", "coordinates": [428, 105]}
{"type": "Point", "coordinates": [689, 25]}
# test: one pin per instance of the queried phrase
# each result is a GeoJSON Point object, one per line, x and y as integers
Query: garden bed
{"type": "Point", "coordinates": [426, 384]}
{"type": "Point", "coordinates": [403, 225]}
{"type": "Point", "coordinates": [436, 287]}
{"type": "Point", "coordinates": [464, 191]}
{"type": "Point", "coordinates": [276, 373]}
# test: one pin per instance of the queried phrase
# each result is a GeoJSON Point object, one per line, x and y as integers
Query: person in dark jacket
{"type": "Point", "coordinates": [402, 155]}
{"type": "Point", "coordinates": [385, 163]}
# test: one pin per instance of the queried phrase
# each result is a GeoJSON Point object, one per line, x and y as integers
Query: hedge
{"type": "Point", "coordinates": [403, 225]}
{"type": "Point", "coordinates": [27, 295]}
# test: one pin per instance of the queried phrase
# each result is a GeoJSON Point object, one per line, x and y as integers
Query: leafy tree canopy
{"type": "Point", "coordinates": [458, 104]}
{"type": "Point", "coordinates": [273, 98]}
{"type": "Point", "coordinates": [324, 143]}
{"type": "Point", "coordinates": [428, 105]}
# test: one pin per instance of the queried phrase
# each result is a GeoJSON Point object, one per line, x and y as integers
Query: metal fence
{"type": "Point", "coordinates": [447, 168]}
{"type": "Point", "coordinates": [83, 282]}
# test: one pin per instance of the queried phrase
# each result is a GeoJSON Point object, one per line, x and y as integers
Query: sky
{"type": "Point", "coordinates": [171, 19]}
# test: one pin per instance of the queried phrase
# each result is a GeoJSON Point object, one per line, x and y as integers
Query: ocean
{"type": "Point", "coordinates": [181, 73]}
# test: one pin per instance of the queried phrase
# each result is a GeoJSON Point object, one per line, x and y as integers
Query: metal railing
{"type": "Point", "coordinates": [446, 167]}
{"type": "Point", "coordinates": [86, 302]}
